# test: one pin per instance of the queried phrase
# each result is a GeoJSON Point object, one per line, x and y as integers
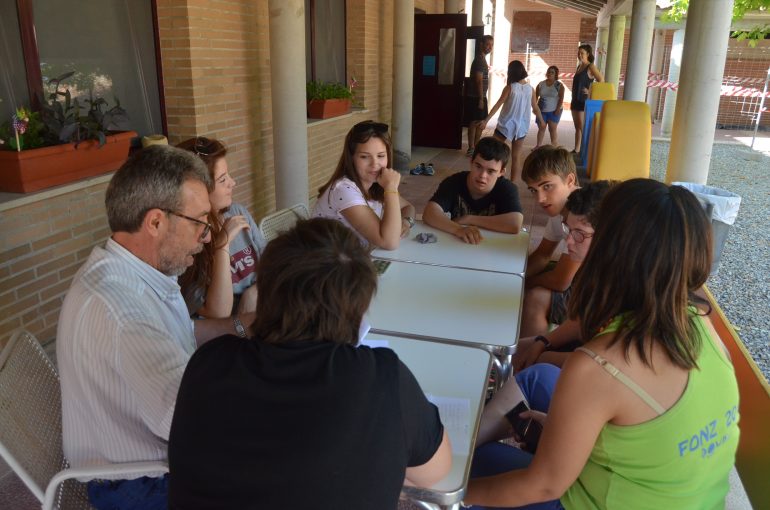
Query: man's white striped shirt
{"type": "Point", "coordinates": [124, 338]}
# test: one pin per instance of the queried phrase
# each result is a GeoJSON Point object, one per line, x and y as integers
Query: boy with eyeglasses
{"type": "Point", "coordinates": [582, 215]}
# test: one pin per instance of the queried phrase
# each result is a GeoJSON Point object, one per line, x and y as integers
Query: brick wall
{"type": "Point", "coordinates": [564, 40]}
{"type": "Point", "coordinates": [216, 69]}
{"type": "Point", "coordinates": [742, 62]}
{"type": "Point", "coordinates": [43, 244]}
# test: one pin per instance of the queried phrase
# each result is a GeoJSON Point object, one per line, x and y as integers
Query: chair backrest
{"type": "Point", "coordinates": [602, 90]}
{"type": "Point", "coordinates": [593, 141]}
{"type": "Point", "coordinates": [592, 106]}
{"type": "Point", "coordinates": [282, 220]}
{"type": "Point", "coordinates": [622, 150]}
{"type": "Point", "coordinates": [30, 418]}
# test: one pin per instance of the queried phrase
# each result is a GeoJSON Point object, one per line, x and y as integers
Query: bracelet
{"type": "Point", "coordinates": [391, 191]}
{"type": "Point", "coordinates": [541, 338]}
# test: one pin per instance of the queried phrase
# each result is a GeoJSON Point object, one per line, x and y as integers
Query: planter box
{"type": "Point", "coordinates": [325, 108]}
{"type": "Point", "coordinates": [36, 169]}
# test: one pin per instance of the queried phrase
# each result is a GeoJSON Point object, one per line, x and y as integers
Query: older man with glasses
{"type": "Point", "coordinates": [125, 336]}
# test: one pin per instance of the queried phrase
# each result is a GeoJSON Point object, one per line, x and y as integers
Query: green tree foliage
{"type": "Point", "coordinates": [678, 10]}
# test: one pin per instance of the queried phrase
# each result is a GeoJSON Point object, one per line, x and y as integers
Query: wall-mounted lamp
{"type": "Point", "coordinates": [488, 19]}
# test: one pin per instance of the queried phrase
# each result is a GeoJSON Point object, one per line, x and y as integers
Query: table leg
{"type": "Point", "coordinates": [503, 369]}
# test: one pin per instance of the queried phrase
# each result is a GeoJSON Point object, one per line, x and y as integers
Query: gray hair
{"type": "Point", "coordinates": [150, 179]}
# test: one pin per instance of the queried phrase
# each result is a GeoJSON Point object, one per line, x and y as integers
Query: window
{"type": "Point", "coordinates": [325, 40]}
{"type": "Point", "coordinates": [531, 31]}
{"type": "Point", "coordinates": [109, 44]}
{"type": "Point", "coordinates": [13, 85]}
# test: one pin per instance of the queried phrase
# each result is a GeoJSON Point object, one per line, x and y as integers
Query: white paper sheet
{"type": "Point", "coordinates": [456, 416]}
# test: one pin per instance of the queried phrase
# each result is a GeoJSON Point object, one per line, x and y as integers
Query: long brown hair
{"type": "Point", "coordinates": [315, 282]}
{"type": "Point", "coordinates": [360, 133]}
{"type": "Point", "coordinates": [198, 275]}
{"type": "Point", "coordinates": [650, 253]}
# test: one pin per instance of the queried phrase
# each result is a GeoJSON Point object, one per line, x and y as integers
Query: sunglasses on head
{"type": "Point", "coordinates": [370, 125]}
{"type": "Point", "coordinates": [203, 146]}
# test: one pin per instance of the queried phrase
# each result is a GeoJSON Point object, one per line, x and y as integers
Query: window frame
{"type": "Point", "coordinates": [310, 14]}
{"type": "Point", "coordinates": [24, 9]}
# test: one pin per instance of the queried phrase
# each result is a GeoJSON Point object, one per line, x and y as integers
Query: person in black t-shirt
{"type": "Point", "coordinates": [482, 197]}
{"type": "Point", "coordinates": [299, 416]}
{"type": "Point", "coordinates": [476, 95]}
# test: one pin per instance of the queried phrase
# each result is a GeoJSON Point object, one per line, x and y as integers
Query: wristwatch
{"type": "Point", "coordinates": [409, 220]}
{"type": "Point", "coordinates": [541, 338]}
{"type": "Point", "coordinates": [238, 325]}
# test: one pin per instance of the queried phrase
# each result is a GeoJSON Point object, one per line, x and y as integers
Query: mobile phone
{"type": "Point", "coordinates": [526, 430]}
{"type": "Point", "coordinates": [380, 265]}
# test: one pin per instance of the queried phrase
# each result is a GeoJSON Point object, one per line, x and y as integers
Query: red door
{"type": "Point", "coordinates": [439, 67]}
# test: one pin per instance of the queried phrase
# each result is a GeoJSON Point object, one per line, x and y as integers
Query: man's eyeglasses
{"type": "Point", "coordinates": [206, 226]}
{"type": "Point", "coordinates": [370, 125]}
{"type": "Point", "coordinates": [203, 146]}
{"type": "Point", "coordinates": [578, 235]}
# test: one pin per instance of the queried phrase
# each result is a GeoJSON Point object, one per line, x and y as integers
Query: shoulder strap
{"type": "Point", "coordinates": [623, 378]}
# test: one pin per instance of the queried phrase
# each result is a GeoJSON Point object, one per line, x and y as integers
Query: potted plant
{"type": "Point", "coordinates": [326, 100]}
{"type": "Point", "coordinates": [58, 144]}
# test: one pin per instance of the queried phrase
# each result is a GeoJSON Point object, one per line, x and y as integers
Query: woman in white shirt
{"type": "Point", "coordinates": [363, 191]}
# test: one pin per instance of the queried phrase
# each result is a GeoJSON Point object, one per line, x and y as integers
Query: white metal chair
{"type": "Point", "coordinates": [282, 220]}
{"type": "Point", "coordinates": [31, 431]}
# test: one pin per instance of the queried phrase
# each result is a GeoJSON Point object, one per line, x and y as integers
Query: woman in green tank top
{"type": "Point", "coordinates": [644, 415]}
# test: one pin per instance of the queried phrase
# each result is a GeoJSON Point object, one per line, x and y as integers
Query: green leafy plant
{"type": "Point", "coordinates": [678, 10]}
{"type": "Point", "coordinates": [327, 90]}
{"type": "Point", "coordinates": [61, 115]}
{"type": "Point", "coordinates": [60, 120]}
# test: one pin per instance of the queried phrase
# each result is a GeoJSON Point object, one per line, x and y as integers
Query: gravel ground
{"type": "Point", "coordinates": [742, 286]}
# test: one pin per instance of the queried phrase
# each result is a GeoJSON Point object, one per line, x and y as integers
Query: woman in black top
{"type": "Point", "coordinates": [585, 73]}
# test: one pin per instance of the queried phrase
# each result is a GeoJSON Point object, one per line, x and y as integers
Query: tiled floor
{"type": "Point", "coordinates": [14, 495]}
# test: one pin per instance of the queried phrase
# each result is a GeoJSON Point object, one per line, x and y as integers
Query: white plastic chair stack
{"type": "Point", "coordinates": [282, 220]}
{"type": "Point", "coordinates": [31, 431]}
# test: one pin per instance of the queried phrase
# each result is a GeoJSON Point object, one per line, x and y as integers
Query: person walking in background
{"type": "Point", "coordinates": [585, 74]}
{"type": "Point", "coordinates": [477, 92]}
{"type": "Point", "coordinates": [517, 100]}
{"type": "Point", "coordinates": [550, 98]}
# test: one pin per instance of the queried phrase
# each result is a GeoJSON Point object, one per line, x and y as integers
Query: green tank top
{"type": "Point", "coordinates": [681, 459]}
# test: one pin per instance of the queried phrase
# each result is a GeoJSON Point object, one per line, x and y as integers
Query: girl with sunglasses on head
{"type": "Point", "coordinates": [363, 191]}
{"type": "Point", "coordinates": [222, 278]}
